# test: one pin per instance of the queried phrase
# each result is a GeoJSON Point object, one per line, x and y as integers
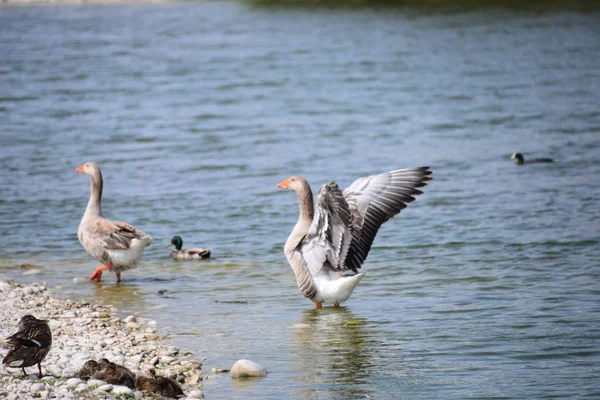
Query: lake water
{"type": "Point", "coordinates": [486, 287]}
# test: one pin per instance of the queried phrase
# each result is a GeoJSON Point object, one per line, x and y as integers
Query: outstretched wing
{"type": "Point", "coordinates": [375, 199]}
{"type": "Point", "coordinates": [327, 242]}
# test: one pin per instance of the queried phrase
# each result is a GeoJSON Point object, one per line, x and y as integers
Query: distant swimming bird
{"type": "Point", "coordinates": [118, 245]}
{"type": "Point", "coordinates": [115, 374]}
{"type": "Point", "coordinates": [521, 160]}
{"type": "Point", "coordinates": [330, 242]}
{"type": "Point", "coordinates": [186, 254]}
{"type": "Point", "coordinates": [159, 384]}
{"type": "Point", "coordinates": [30, 345]}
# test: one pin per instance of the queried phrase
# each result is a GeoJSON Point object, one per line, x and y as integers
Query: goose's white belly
{"type": "Point", "coordinates": [336, 290]}
{"type": "Point", "coordinates": [123, 260]}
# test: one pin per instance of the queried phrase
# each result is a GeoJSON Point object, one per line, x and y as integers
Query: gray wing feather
{"type": "Point", "coordinates": [121, 236]}
{"type": "Point", "coordinates": [328, 239]}
{"type": "Point", "coordinates": [375, 199]}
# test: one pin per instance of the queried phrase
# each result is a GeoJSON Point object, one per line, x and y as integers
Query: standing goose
{"type": "Point", "coordinates": [116, 244]}
{"type": "Point", "coordinates": [331, 241]}
{"type": "Point", "coordinates": [30, 345]}
{"type": "Point", "coordinates": [521, 160]}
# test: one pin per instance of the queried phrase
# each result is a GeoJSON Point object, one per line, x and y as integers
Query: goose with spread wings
{"type": "Point", "coordinates": [331, 240]}
{"type": "Point", "coordinates": [116, 244]}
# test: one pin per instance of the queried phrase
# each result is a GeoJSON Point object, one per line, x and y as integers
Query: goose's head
{"type": "Point", "coordinates": [295, 183]}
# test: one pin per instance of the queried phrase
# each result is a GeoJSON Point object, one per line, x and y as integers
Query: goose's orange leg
{"type": "Point", "coordinates": [97, 275]}
{"type": "Point", "coordinates": [118, 274]}
{"type": "Point", "coordinates": [40, 368]}
{"type": "Point", "coordinates": [319, 305]}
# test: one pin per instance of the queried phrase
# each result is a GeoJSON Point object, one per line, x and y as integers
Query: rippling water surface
{"type": "Point", "coordinates": [486, 287]}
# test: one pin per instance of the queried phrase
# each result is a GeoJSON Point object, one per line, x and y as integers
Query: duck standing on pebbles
{"type": "Point", "coordinates": [159, 384]}
{"type": "Point", "coordinates": [186, 254]}
{"type": "Point", "coordinates": [118, 245]}
{"type": "Point", "coordinates": [30, 345]}
{"type": "Point", "coordinates": [521, 160]}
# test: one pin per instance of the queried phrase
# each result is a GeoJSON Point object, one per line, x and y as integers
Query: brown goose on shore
{"type": "Point", "coordinates": [331, 240]}
{"type": "Point", "coordinates": [30, 345]}
{"type": "Point", "coordinates": [116, 244]}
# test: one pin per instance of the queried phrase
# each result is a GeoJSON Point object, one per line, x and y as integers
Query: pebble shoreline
{"type": "Point", "coordinates": [82, 331]}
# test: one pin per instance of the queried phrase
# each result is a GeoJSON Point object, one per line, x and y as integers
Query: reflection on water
{"type": "Point", "coordinates": [337, 347]}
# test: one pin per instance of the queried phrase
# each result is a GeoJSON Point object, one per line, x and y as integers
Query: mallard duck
{"type": "Point", "coordinates": [159, 384]}
{"type": "Point", "coordinates": [118, 245]}
{"type": "Point", "coordinates": [331, 241]}
{"type": "Point", "coordinates": [30, 345]}
{"type": "Point", "coordinates": [521, 160]}
{"type": "Point", "coordinates": [115, 374]}
{"type": "Point", "coordinates": [186, 254]}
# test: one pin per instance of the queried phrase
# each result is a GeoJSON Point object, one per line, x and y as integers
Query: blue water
{"type": "Point", "coordinates": [487, 286]}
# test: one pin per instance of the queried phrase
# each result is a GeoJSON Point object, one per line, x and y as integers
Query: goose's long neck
{"type": "Point", "coordinates": [305, 201]}
{"type": "Point", "coordinates": [94, 208]}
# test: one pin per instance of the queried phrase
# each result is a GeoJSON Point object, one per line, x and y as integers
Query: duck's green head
{"type": "Point", "coordinates": [175, 241]}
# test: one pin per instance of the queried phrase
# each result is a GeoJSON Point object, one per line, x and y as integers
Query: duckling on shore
{"type": "Point", "coordinates": [89, 368]}
{"type": "Point", "coordinates": [186, 254]}
{"type": "Point", "coordinates": [107, 371]}
{"type": "Point", "coordinates": [115, 374]}
{"type": "Point", "coordinates": [29, 345]}
{"type": "Point", "coordinates": [159, 384]}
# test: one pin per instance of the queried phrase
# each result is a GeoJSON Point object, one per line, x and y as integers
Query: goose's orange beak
{"type": "Point", "coordinates": [80, 169]}
{"type": "Point", "coordinates": [284, 185]}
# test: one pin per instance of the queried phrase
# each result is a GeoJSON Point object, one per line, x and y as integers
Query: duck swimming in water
{"type": "Point", "coordinates": [186, 254]}
{"type": "Point", "coordinates": [521, 160]}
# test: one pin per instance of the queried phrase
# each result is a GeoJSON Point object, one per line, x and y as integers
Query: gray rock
{"type": "Point", "coordinates": [247, 369]}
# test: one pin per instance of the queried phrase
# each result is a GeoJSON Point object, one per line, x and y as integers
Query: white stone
{"type": "Point", "coordinates": [130, 318]}
{"type": "Point", "coordinates": [95, 383]}
{"type": "Point", "coordinates": [122, 390]}
{"type": "Point", "coordinates": [195, 394]}
{"type": "Point", "coordinates": [138, 394]}
{"type": "Point", "coordinates": [167, 360]}
{"type": "Point", "coordinates": [246, 368]}
{"type": "Point", "coordinates": [82, 387]}
{"type": "Point", "coordinates": [73, 382]}
{"type": "Point", "coordinates": [105, 388]}
{"type": "Point", "coordinates": [37, 387]}
{"type": "Point", "coordinates": [301, 326]}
